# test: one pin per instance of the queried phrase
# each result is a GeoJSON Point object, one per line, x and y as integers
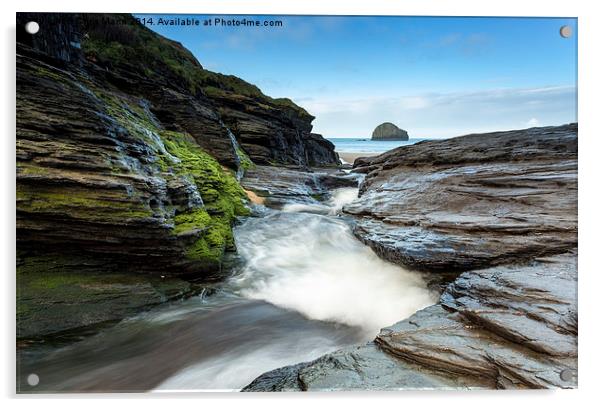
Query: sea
{"type": "Point", "coordinates": [366, 145]}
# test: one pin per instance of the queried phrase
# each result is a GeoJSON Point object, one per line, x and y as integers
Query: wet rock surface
{"type": "Point", "coordinates": [507, 327]}
{"type": "Point", "coordinates": [59, 298]}
{"type": "Point", "coordinates": [500, 211]}
{"type": "Point", "coordinates": [279, 185]}
{"type": "Point", "coordinates": [93, 184]}
{"type": "Point", "coordinates": [471, 201]}
{"type": "Point", "coordinates": [513, 325]}
{"type": "Point", "coordinates": [272, 134]}
{"type": "Point", "coordinates": [356, 368]}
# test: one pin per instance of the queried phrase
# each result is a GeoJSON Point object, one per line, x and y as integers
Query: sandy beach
{"type": "Point", "coordinates": [350, 157]}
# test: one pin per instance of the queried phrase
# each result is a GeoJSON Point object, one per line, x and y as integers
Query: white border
{"type": "Point", "coordinates": [373, 7]}
{"type": "Point", "coordinates": [590, 149]}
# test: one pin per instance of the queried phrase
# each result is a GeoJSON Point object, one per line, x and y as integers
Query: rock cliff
{"type": "Point", "coordinates": [128, 159]}
{"type": "Point", "coordinates": [500, 210]}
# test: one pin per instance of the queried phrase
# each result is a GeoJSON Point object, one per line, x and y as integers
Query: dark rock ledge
{"type": "Point", "coordinates": [499, 209]}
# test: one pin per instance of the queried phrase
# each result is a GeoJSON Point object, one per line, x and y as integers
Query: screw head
{"type": "Point", "coordinates": [32, 27]}
{"type": "Point", "coordinates": [566, 31]}
{"type": "Point", "coordinates": [568, 375]}
{"type": "Point", "coordinates": [33, 379]}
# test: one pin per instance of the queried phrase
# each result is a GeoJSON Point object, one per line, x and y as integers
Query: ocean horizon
{"type": "Point", "coordinates": [366, 145]}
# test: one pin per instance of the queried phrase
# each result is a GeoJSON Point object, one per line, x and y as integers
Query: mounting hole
{"type": "Point", "coordinates": [568, 375]}
{"type": "Point", "coordinates": [33, 379]}
{"type": "Point", "coordinates": [566, 31]}
{"type": "Point", "coordinates": [32, 27]}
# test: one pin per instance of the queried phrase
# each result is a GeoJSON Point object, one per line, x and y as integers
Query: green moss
{"type": "Point", "coordinates": [52, 281]}
{"type": "Point", "coordinates": [78, 203]}
{"type": "Point", "coordinates": [318, 197]}
{"type": "Point", "coordinates": [55, 294]}
{"type": "Point", "coordinates": [201, 251]}
{"type": "Point", "coordinates": [31, 169]}
{"type": "Point", "coordinates": [195, 219]}
{"type": "Point", "coordinates": [50, 73]}
{"type": "Point", "coordinates": [223, 198]}
{"type": "Point", "coordinates": [245, 161]}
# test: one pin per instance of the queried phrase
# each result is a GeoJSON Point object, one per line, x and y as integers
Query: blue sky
{"type": "Point", "coordinates": [435, 77]}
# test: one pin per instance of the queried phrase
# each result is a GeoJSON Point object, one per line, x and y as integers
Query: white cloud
{"type": "Point", "coordinates": [414, 102]}
{"type": "Point", "coordinates": [533, 122]}
{"type": "Point", "coordinates": [445, 114]}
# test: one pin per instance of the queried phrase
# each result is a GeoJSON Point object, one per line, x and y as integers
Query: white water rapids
{"type": "Point", "coordinates": [305, 287]}
{"type": "Point", "coordinates": [306, 260]}
{"type": "Point", "coordinates": [319, 269]}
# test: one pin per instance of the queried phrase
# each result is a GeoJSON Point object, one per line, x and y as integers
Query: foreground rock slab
{"type": "Point", "coordinates": [356, 368]}
{"type": "Point", "coordinates": [506, 327]}
{"type": "Point", "coordinates": [515, 326]}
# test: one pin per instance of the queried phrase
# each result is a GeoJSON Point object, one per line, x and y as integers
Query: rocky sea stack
{"type": "Point", "coordinates": [389, 131]}
{"type": "Point", "coordinates": [129, 155]}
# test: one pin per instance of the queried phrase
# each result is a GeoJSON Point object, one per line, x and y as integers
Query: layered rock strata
{"type": "Point", "coordinates": [129, 154]}
{"type": "Point", "coordinates": [471, 201]}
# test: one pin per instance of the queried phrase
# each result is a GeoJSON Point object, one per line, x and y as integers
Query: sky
{"type": "Point", "coordinates": [435, 77]}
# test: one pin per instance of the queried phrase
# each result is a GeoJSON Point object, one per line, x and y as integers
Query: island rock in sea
{"type": "Point", "coordinates": [389, 131]}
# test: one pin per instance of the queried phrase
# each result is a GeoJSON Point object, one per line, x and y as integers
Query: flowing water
{"type": "Point", "coordinates": [305, 287]}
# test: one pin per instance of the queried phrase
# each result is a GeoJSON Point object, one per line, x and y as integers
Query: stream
{"type": "Point", "coordinates": [304, 286]}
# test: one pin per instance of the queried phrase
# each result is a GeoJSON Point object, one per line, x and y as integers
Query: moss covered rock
{"type": "Point", "coordinates": [128, 155]}
{"type": "Point", "coordinates": [108, 201]}
{"type": "Point", "coordinates": [55, 295]}
{"type": "Point", "coordinates": [98, 172]}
